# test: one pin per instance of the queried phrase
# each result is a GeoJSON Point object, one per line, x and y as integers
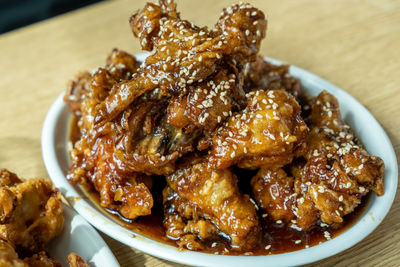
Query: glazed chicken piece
{"type": "Point", "coordinates": [206, 105]}
{"type": "Point", "coordinates": [338, 171]}
{"type": "Point", "coordinates": [262, 74]}
{"type": "Point", "coordinates": [31, 213]}
{"type": "Point", "coordinates": [119, 66]}
{"type": "Point", "coordinates": [273, 191]}
{"type": "Point", "coordinates": [184, 54]}
{"type": "Point", "coordinates": [216, 196]}
{"type": "Point", "coordinates": [182, 222]}
{"type": "Point", "coordinates": [119, 188]}
{"type": "Point", "coordinates": [269, 132]}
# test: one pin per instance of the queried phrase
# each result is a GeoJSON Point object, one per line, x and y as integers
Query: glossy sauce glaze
{"type": "Point", "coordinates": [277, 237]}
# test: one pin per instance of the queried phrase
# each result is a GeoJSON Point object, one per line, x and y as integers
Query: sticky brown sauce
{"type": "Point", "coordinates": [280, 237]}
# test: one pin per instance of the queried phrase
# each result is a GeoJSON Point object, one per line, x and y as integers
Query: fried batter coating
{"type": "Point", "coordinates": [183, 222]}
{"type": "Point", "coordinates": [119, 65]}
{"type": "Point", "coordinates": [184, 54]}
{"type": "Point", "coordinates": [33, 214]}
{"type": "Point", "coordinates": [274, 193]}
{"type": "Point", "coordinates": [215, 194]}
{"type": "Point", "coordinates": [120, 189]}
{"type": "Point", "coordinates": [206, 105]}
{"type": "Point", "coordinates": [268, 132]}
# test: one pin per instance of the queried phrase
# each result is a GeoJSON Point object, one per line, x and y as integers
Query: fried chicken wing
{"type": "Point", "coordinates": [216, 195]}
{"type": "Point", "coordinates": [268, 132]}
{"type": "Point", "coordinates": [332, 181]}
{"type": "Point", "coordinates": [338, 171]}
{"type": "Point", "coordinates": [34, 212]}
{"type": "Point", "coordinates": [184, 53]}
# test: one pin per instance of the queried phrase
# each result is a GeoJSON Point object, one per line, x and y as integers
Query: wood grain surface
{"type": "Point", "coordinates": [353, 44]}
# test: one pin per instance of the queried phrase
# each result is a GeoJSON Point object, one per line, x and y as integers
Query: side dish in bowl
{"type": "Point", "coordinates": [207, 146]}
{"type": "Point", "coordinates": [36, 229]}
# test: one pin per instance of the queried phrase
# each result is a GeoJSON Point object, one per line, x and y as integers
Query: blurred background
{"type": "Point", "coordinates": [18, 13]}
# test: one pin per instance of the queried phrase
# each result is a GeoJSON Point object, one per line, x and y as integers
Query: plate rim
{"type": "Point", "coordinates": [168, 252]}
{"type": "Point", "coordinates": [71, 215]}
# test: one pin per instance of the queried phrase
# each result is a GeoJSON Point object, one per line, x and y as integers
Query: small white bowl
{"type": "Point", "coordinates": [80, 237]}
{"type": "Point", "coordinates": [55, 154]}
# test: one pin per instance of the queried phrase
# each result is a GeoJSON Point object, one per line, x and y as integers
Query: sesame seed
{"type": "Point", "coordinates": [327, 235]}
{"type": "Point", "coordinates": [233, 154]}
{"type": "Point", "coordinates": [297, 242]}
{"type": "Point", "coordinates": [279, 221]}
{"type": "Point", "coordinates": [267, 247]}
{"type": "Point", "coordinates": [264, 215]}
{"type": "Point", "coordinates": [213, 245]}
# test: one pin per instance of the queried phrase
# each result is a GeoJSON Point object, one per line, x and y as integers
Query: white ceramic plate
{"type": "Point", "coordinates": [80, 237]}
{"type": "Point", "coordinates": [55, 155]}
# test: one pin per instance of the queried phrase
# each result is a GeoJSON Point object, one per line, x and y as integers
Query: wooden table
{"type": "Point", "coordinates": [353, 44]}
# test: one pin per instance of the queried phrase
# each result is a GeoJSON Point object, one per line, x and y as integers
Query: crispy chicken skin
{"type": "Point", "coordinates": [33, 214]}
{"type": "Point", "coordinates": [215, 194]}
{"type": "Point", "coordinates": [268, 132]}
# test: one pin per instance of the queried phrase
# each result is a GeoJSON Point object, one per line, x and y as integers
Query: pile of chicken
{"type": "Point", "coordinates": [31, 215]}
{"type": "Point", "coordinates": [202, 104]}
